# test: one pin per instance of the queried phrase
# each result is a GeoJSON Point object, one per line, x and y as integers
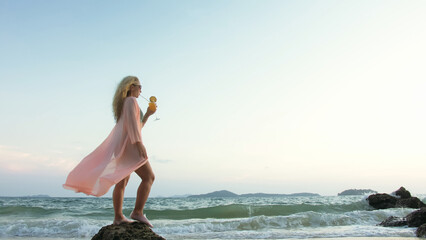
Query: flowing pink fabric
{"type": "Point", "coordinates": [116, 158]}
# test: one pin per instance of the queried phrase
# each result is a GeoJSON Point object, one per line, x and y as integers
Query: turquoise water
{"type": "Point", "coordinates": [203, 218]}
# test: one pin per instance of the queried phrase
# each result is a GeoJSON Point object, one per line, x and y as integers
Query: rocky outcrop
{"type": "Point", "coordinates": [381, 201]}
{"type": "Point", "coordinates": [411, 202]}
{"type": "Point", "coordinates": [404, 199]}
{"type": "Point", "coordinates": [416, 218]}
{"type": "Point", "coordinates": [127, 231]}
{"type": "Point", "coordinates": [402, 193]}
{"type": "Point", "coordinates": [421, 231]}
{"type": "Point", "coordinates": [394, 222]}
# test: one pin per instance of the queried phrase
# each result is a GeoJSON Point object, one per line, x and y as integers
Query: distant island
{"type": "Point", "coordinates": [356, 192]}
{"type": "Point", "coordinates": [225, 193]}
{"type": "Point", "coordinates": [29, 196]}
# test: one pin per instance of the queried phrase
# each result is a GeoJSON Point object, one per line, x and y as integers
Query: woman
{"type": "Point", "coordinates": [118, 156]}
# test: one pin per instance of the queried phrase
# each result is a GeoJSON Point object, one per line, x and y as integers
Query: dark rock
{"type": "Point", "coordinates": [127, 231]}
{"type": "Point", "coordinates": [381, 201]}
{"type": "Point", "coordinates": [402, 193]}
{"type": "Point", "coordinates": [416, 218]}
{"type": "Point", "coordinates": [421, 231]}
{"type": "Point", "coordinates": [412, 202]}
{"type": "Point", "coordinates": [394, 222]}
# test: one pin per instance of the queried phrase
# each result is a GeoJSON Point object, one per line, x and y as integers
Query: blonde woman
{"type": "Point", "coordinates": [118, 156]}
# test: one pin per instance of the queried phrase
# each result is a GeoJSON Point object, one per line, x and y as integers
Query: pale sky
{"type": "Point", "coordinates": [254, 96]}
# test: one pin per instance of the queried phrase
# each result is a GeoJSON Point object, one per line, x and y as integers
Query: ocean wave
{"type": "Point", "coordinates": [43, 212]}
{"type": "Point", "coordinates": [27, 211]}
{"type": "Point", "coordinates": [293, 221]}
{"type": "Point", "coordinates": [299, 225]}
{"type": "Point", "coordinates": [297, 222]}
{"type": "Point", "coordinates": [249, 218]}
{"type": "Point", "coordinates": [244, 211]}
{"type": "Point", "coordinates": [221, 211]}
{"type": "Point", "coordinates": [50, 228]}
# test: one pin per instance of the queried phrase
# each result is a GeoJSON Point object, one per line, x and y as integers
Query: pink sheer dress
{"type": "Point", "coordinates": [116, 158]}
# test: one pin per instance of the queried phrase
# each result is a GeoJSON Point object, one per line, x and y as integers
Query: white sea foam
{"type": "Point", "coordinates": [300, 225]}
{"type": "Point", "coordinates": [50, 227]}
{"type": "Point", "coordinates": [299, 233]}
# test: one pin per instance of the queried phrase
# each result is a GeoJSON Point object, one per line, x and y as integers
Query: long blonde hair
{"type": "Point", "coordinates": [123, 90]}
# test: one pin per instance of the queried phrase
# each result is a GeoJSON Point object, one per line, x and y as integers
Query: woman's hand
{"type": "Point", "coordinates": [149, 111]}
{"type": "Point", "coordinates": [142, 150]}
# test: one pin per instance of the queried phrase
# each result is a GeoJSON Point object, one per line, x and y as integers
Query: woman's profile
{"type": "Point", "coordinates": [120, 154]}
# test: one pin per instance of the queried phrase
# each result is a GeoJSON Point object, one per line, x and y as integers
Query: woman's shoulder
{"type": "Point", "coordinates": [131, 102]}
{"type": "Point", "coordinates": [130, 99]}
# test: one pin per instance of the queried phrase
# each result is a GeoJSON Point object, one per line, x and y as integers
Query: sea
{"type": "Point", "coordinates": [204, 218]}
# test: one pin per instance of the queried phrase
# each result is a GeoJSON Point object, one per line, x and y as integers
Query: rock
{"type": "Point", "coordinates": [403, 193]}
{"type": "Point", "coordinates": [412, 202]}
{"type": "Point", "coordinates": [416, 218]}
{"type": "Point", "coordinates": [405, 200]}
{"type": "Point", "coordinates": [421, 231]}
{"type": "Point", "coordinates": [394, 222]}
{"type": "Point", "coordinates": [381, 201]}
{"type": "Point", "coordinates": [127, 231]}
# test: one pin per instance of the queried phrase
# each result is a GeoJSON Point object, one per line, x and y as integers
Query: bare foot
{"type": "Point", "coordinates": [121, 220]}
{"type": "Point", "coordinates": [140, 218]}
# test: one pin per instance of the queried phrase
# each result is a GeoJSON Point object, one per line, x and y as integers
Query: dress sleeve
{"type": "Point", "coordinates": [131, 113]}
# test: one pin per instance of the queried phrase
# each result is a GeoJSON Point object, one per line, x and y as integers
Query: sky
{"type": "Point", "coordinates": [253, 96]}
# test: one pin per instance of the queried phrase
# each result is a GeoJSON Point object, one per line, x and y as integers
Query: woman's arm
{"type": "Point", "coordinates": [148, 113]}
{"type": "Point", "coordinates": [140, 146]}
{"type": "Point", "coordinates": [131, 116]}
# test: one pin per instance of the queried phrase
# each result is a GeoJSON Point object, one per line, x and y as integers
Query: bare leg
{"type": "Point", "coordinates": [117, 199]}
{"type": "Point", "coordinates": [147, 176]}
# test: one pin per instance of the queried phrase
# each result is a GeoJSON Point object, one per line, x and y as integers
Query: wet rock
{"type": "Point", "coordinates": [412, 202]}
{"type": "Point", "coordinates": [403, 193]}
{"type": "Point", "coordinates": [382, 201]}
{"type": "Point", "coordinates": [416, 218]}
{"type": "Point", "coordinates": [421, 231]}
{"type": "Point", "coordinates": [405, 200]}
{"type": "Point", "coordinates": [394, 222]}
{"type": "Point", "coordinates": [127, 231]}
